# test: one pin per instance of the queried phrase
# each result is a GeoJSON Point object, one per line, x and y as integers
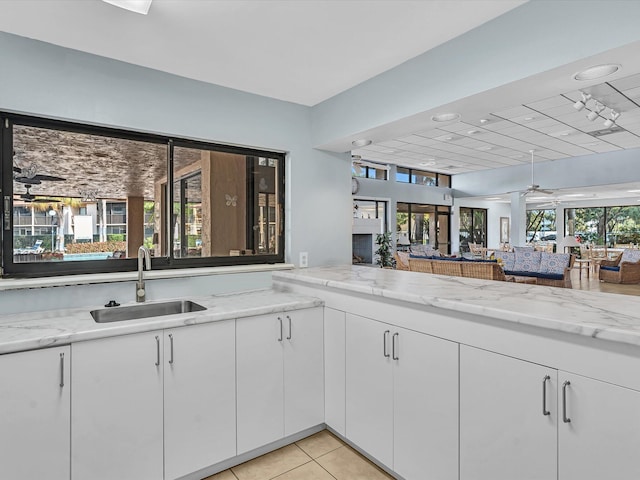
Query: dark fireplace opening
{"type": "Point", "coordinates": [362, 247]}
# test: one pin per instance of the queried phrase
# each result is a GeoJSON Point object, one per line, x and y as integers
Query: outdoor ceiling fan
{"type": "Point", "coordinates": [31, 198]}
{"type": "Point", "coordinates": [534, 187]}
{"type": "Point", "coordinates": [30, 176]}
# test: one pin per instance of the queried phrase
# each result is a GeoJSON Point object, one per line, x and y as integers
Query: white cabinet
{"type": "Point", "coordinates": [116, 420]}
{"type": "Point", "coordinates": [303, 370]}
{"type": "Point", "coordinates": [280, 384]}
{"type": "Point", "coordinates": [369, 408]}
{"type": "Point", "coordinates": [34, 414]}
{"type": "Point", "coordinates": [504, 432]}
{"type": "Point", "coordinates": [402, 398]}
{"type": "Point", "coordinates": [602, 437]}
{"type": "Point", "coordinates": [334, 369]}
{"type": "Point", "coordinates": [425, 406]}
{"type": "Point", "coordinates": [199, 397]}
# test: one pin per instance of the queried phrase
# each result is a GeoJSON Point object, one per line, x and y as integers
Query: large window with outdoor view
{"type": "Point", "coordinates": [473, 227]}
{"type": "Point", "coordinates": [541, 225]}
{"type": "Point", "coordinates": [424, 225]}
{"type": "Point", "coordinates": [611, 226]}
{"type": "Point", "coordinates": [81, 199]}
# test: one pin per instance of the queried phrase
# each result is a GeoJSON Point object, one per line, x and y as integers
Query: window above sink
{"type": "Point", "coordinates": [82, 199]}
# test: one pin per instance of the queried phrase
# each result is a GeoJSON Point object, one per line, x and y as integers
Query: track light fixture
{"type": "Point", "coordinates": [580, 104]}
{"type": "Point", "coordinates": [595, 113]}
{"type": "Point", "coordinates": [610, 122]}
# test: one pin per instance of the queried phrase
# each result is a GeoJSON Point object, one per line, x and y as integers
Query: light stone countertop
{"type": "Point", "coordinates": [27, 331]}
{"type": "Point", "coordinates": [599, 315]}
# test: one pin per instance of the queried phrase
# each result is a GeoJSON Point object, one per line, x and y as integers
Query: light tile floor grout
{"type": "Point", "coordinates": [321, 456]}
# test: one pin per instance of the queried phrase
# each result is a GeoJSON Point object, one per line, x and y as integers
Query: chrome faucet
{"type": "Point", "coordinates": [143, 254]}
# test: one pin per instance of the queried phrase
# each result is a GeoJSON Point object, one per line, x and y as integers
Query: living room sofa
{"type": "Point", "coordinates": [551, 269]}
{"type": "Point", "coordinates": [457, 267]}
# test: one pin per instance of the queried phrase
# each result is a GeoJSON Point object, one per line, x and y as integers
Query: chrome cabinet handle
{"type": "Point", "coordinates": [157, 351]}
{"type": "Point", "coordinates": [393, 346]}
{"type": "Point", "coordinates": [280, 320]}
{"type": "Point", "coordinates": [62, 369]}
{"type": "Point", "coordinates": [289, 318]}
{"type": "Point", "coordinates": [545, 412]}
{"type": "Point", "coordinates": [171, 348]}
{"type": "Point", "coordinates": [384, 343]}
{"type": "Point", "coordinates": [565, 419]}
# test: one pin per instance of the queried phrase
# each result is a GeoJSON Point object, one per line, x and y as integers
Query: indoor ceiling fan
{"type": "Point", "coordinates": [553, 203]}
{"type": "Point", "coordinates": [31, 198]}
{"type": "Point", "coordinates": [534, 187]}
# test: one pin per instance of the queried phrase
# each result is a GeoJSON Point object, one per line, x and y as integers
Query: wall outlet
{"type": "Point", "coordinates": [304, 259]}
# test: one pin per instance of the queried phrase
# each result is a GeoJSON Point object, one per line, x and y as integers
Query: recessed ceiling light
{"type": "Point", "coordinates": [473, 132]}
{"type": "Point", "coordinates": [446, 117]}
{"type": "Point", "coordinates": [597, 71]}
{"type": "Point", "coordinates": [590, 144]}
{"type": "Point", "coordinates": [427, 164]}
{"type": "Point", "coordinates": [633, 191]}
{"type": "Point", "coordinates": [575, 195]}
{"type": "Point", "coordinates": [448, 138]}
{"type": "Point", "coordinates": [361, 143]}
{"type": "Point", "coordinates": [388, 151]}
{"type": "Point", "coordinates": [492, 198]}
{"type": "Point", "coordinates": [528, 119]}
{"type": "Point", "coordinates": [484, 120]}
{"type": "Point", "coordinates": [138, 6]}
{"type": "Point", "coordinates": [485, 148]}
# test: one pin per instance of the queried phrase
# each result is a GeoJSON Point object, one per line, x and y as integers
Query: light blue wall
{"type": "Point", "coordinates": [535, 37]}
{"type": "Point", "coordinates": [49, 81]}
{"type": "Point", "coordinates": [588, 170]}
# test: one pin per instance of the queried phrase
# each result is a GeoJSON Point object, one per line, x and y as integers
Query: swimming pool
{"type": "Point", "coordinates": [74, 257]}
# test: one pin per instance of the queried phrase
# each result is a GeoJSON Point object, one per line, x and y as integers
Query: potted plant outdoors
{"type": "Point", "coordinates": [384, 251]}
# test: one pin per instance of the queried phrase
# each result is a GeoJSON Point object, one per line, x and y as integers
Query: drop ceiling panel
{"type": "Point", "coordinates": [548, 103]}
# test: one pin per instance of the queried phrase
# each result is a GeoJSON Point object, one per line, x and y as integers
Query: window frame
{"type": "Point", "coordinates": [10, 269]}
{"type": "Point", "coordinates": [412, 172]}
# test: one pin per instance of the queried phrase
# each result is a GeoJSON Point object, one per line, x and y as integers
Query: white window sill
{"type": "Point", "coordinates": [67, 280]}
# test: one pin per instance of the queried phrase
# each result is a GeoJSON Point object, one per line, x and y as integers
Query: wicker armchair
{"type": "Point", "coordinates": [402, 261]}
{"type": "Point", "coordinates": [628, 272]}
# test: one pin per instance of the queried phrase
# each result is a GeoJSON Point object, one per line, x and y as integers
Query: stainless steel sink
{"type": "Point", "coordinates": [118, 314]}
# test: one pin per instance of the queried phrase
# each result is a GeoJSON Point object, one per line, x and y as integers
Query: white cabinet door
{"type": "Point", "coordinates": [503, 432]}
{"type": "Point", "coordinates": [34, 414]}
{"type": "Point", "coordinates": [303, 370]}
{"type": "Point", "coordinates": [425, 405]}
{"type": "Point", "coordinates": [602, 438]}
{"type": "Point", "coordinates": [334, 369]}
{"type": "Point", "coordinates": [260, 380]}
{"type": "Point", "coordinates": [369, 409]}
{"type": "Point", "coordinates": [116, 420]}
{"type": "Point", "coordinates": [199, 397]}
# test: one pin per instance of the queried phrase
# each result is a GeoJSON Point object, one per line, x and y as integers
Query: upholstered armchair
{"type": "Point", "coordinates": [624, 269]}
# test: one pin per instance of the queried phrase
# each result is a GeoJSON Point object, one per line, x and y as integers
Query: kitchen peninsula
{"type": "Point", "coordinates": [475, 379]}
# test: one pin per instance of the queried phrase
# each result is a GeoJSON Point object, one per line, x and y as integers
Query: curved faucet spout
{"type": "Point", "coordinates": [144, 259]}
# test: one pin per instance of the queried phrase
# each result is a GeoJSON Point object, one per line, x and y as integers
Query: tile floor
{"type": "Point", "coordinates": [319, 457]}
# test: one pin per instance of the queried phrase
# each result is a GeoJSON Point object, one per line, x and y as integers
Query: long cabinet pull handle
{"type": "Point", "coordinates": [393, 346]}
{"type": "Point", "coordinates": [62, 369]}
{"type": "Point", "coordinates": [545, 412]}
{"type": "Point", "coordinates": [385, 335]}
{"type": "Point", "coordinates": [171, 348]}
{"type": "Point", "coordinates": [157, 351]}
{"type": "Point", "coordinates": [289, 318]}
{"type": "Point", "coordinates": [280, 320]}
{"type": "Point", "coordinates": [565, 419]}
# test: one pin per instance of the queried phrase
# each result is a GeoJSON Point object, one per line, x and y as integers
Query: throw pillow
{"type": "Point", "coordinates": [554, 262]}
{"type": "Point", "coordinates": [630, 255]}
{"type": "Point", "coordinates": [508, 260]}
{"type": "Point", "coordinates": [527, 260]}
